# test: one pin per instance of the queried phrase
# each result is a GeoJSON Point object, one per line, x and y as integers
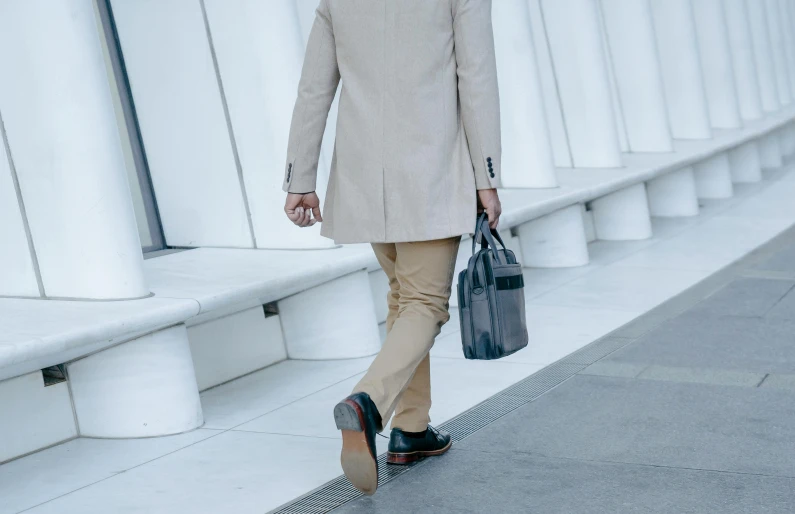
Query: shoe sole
{"type": "Point", "coordinates": [356, 458]}
{"type": "Point", "coordinates": [403, 459]}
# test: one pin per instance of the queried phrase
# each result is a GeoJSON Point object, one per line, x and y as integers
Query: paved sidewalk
{"type": "Point", "coordinates": [695, 412]}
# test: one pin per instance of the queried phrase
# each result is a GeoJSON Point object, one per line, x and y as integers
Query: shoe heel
{"type": "Point", "coordinates": [346, 416]}
{"type": "Point", "coordinates": [402, 459]}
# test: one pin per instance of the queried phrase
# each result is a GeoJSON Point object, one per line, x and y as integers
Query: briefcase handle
{"type": "Point", "coordinates": [485, 236]}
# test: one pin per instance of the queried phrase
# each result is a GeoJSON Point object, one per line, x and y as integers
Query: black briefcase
{"type": "Point", "coordinates": [491, 299]}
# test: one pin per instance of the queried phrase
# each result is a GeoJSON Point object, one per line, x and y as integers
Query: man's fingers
{"type": "Point", "coordinates": [296, 215]}
{"type": "Point", "coordinates": [316, 213]}
{"type": "Point", "coordinates": [305, 218]}
{"type": "Point", "coordinates": [291, 215]}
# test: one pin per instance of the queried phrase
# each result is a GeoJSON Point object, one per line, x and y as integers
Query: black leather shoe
{"type": "Point", "coordinates": [404, 449]}
{"type": "Point", "coordinates": [358, 419]}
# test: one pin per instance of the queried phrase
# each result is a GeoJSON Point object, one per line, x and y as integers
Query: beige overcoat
{"type": "Point", "coordinates": [418, 129]}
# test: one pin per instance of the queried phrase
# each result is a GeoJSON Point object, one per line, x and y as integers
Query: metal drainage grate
{"type": "Point", "coordinates": [339, 491]}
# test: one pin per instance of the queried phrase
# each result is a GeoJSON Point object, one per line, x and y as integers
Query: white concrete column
{"type": "Point", "coordinates": [260, 51]}
{"type": "Point", "coordinates": [714, 177]}
{"type": "Point", "coordinates": [319, 334]}
{"type": "Point", "coordinates": [763, 54]}
{"type": "Point", "coordinates": [787, 27]}
{"type": "Point", "coordinates": [716, 64]}
{"type": "Point", "coordinates": [549, 87]}
{"type": "Point", "coordinates": [673, 194]}
{"type": "Point", "coordinates": [17, 269]}
{"type": "Point", "coordinates": [185, 123]}
{"type": "Point", "coordinates": [745, 162]}
{"type": "Point", "coordinates": [527, 152]}
{"type": "Point", "coordinates": [681, 66]}
{"type": "Point", "coordinates": [556, 240]}
{"type": "Point", "coordinates": [623, 215]}
{"type": "Point", "coordinates": [770, 151]}
{"type": "Point", "coordinates": [633, 48]}
{"type": "Point", "coordinates": [142, 388]}
{"type": "Point", "coordinates": [790, 136]}
{"type": "Point", "coordinates": [64, 140]}
{"type": "Point", "coordinates": [575, 38]}
{"type": "Point", "coordinates": [621, 127]}
{"type": "Point", "coordinates": [777, 43]}
{"type": "Point", "coordinates": [743, 63]}
{"type": "Point", "coordinates": [786, 140]}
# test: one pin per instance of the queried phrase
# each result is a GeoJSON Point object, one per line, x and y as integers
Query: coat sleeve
{"type": "Point", "coordinates": [478, 88]}
{"type": "Point", "coordinates": [319, 79]}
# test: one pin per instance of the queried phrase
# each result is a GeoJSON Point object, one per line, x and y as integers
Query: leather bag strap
{"type": "Point", "coordinates": [486, 237]}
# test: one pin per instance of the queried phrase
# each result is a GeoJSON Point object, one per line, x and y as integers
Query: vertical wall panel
{"type": "Point", "coordinates": [785, 12]}
{"type": "Point", "coordinates": [621, 127]}
{"type": "Point", "coordinates": [527, 155]}
{"type": "Point", "coordinates": [743, 63]}
{"type": "Point", "coordinates": [17, 274]}
{"type": "Point", "coordinates": [260, 52]}
{"type": "Point", "coordinates": [780, 64]}
{"type": "Point", "coordinates": [630, 32]}
{"type": "Point", "coordinates": [716, 63]}
{"type": "Point", "coordinates": [681, 67]}
{"type": "Point", "coordinates": [182, 120]}
{"type": "Point", "coordinates": [549, 87]}
{"type": "Point", "coordinates": [575, 36]}
{"type": "Point", "coordinates": [757, 18]}
{"type": "Point", "coordinates": [64, 139]}
{"type": "Point", "coordinates": [306, 16]}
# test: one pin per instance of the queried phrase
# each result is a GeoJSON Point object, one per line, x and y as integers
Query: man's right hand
{"type": "Point", "coordinates": [489, 201]}
{"type": "Point", "coordinates": [300, 207]}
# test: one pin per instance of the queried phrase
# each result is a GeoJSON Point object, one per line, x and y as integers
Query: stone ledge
{"type": "Point", "coordinates": [203, 284]}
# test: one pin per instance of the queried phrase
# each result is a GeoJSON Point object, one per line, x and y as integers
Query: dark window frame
{"type": "Point", "coordinates": [133, 129]}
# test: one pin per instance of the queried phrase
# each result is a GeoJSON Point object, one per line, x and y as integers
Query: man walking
{"type": "Point", "coordinates": [417, 155]}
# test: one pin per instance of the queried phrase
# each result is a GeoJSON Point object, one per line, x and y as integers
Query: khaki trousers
{"type": "Point", "coordinates": [420, 281]}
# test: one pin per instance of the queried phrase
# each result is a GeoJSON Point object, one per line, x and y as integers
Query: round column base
{"type": "Point", "coordinates": [714, 178]}
{"type": "Point", "coordinates": [142, 388]}
{"type": "Point", "coordinates": [623, 215]}
{"type": "Point", "coordinates": [673, 194]}
{"type": "Point", "coordinates": [786, 140]}
{"type": "Point", "coordinates": [335, 320]}
{"type": "Point", "coordinates": [745, 163]}
{"type": "Point", "coordinates": [770, 151]}
{"type": "Point", "coordinates": [556, 240]}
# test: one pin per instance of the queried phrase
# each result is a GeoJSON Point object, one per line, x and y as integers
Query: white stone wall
{"type": "Point", "coordinates": [214, 81]}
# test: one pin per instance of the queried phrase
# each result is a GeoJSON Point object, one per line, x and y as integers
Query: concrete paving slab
{"type": "Point", "coordinates": [750, 297]}
{"type": "Point", "coordinates": [478, 482]}
{"type": "Point", "coordinates": [614, 369]}
{"type": "Point", "coordinates": [702, 376]}
{"type": "Point", "coordinates": [721, 428]}
{"type": "Point", "coordinates": [756, 345]}
{"type": "Point", "coordinates": [785, 308]}
{"type": "Point", "coordinates": [782, 260]}
{"type": "Point", "coordinates": [779, 382]}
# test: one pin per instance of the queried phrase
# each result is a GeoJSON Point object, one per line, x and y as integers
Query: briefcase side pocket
{"type": "Point", "coordinates": [465, 314]}
{"type": "Point", "coordinates": [509, 291]}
